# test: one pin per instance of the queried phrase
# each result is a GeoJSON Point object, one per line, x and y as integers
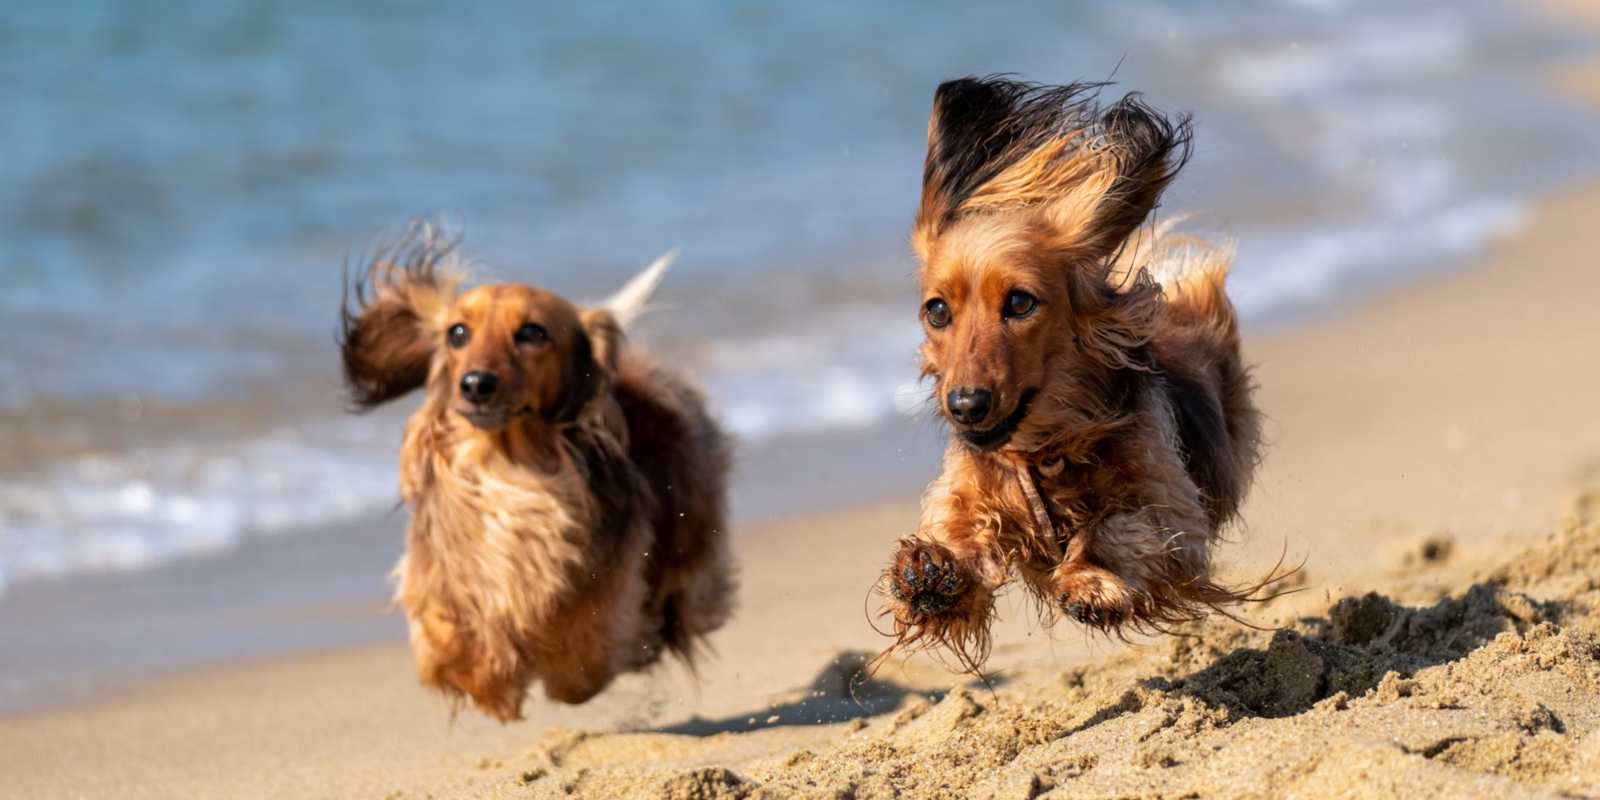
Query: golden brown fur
{"type": "Point", "coordinates": [564, 529]}
{"type": "Point", "coordinates": [1075, 350]}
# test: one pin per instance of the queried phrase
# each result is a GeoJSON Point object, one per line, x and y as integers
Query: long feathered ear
{"type": "Point", "coordinates": [1140, 151]}
{"type": "Point", "coordinates": [1113, 322]}
{"type": "Point", "coordinates": [978, 128]}
{"type": "Point", "coordinates": [997, 145]}
{"type": "Point", "coordinates": [393, 309]}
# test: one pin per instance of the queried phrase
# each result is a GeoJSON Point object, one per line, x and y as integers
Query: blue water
{"type": "Point", "coordinates": [180, 184]}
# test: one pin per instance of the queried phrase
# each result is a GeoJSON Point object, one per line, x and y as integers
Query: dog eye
{"type": "Point", "coordinates": [532, 334]}
{"type": "Point", "coordinates": [938, 313]}
{"type": "Point", "coordinates": [1019, 304]}
{"type": "Point", "coordinates": [459, 335]}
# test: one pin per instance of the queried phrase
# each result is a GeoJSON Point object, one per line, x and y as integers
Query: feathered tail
{"type": "Point", "coordinates": [628, 302]}
{"type": "Point", "coordinates": [1191, 270]}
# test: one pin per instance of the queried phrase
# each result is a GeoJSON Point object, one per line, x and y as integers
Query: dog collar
{"type": "Point", "coordinates": [1045, 528]}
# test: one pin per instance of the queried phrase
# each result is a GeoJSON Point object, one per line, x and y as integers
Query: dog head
{"type": "Point", "coordinates": [1031, 290]}
{"type": "Point", "coordinates": [492, 355]}
{"type": "Point", "coordinates": [516, 351]}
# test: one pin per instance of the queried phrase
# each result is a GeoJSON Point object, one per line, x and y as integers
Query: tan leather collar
{"type": "Point", "coordinates": [1043, 526]}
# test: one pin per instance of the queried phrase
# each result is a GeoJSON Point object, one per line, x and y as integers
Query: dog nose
{"type": "Point", "coordinates": [478, 386]}
{"type": "Point", "coordinates": [969, 407]}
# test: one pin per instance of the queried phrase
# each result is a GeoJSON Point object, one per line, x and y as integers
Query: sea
{"type": "Point", "coordinates": [184, 184]}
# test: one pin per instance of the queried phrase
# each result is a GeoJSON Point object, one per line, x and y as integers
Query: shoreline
{"type": "Point", "coordinates": [87, 639]}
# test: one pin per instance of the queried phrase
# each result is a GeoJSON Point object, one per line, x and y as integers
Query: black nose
{"type": "Point", "coordinates": [969, 407]}
{"type": "Point", "coordinates": [478, 386]}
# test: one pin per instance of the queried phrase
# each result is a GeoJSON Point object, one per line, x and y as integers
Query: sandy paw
{"type": "Point", "coordinates": [1093, 596]}
{"type": "Point", "coordinates": [1090, 613]}
{"type": "Point", "coordinates": [924, 577]}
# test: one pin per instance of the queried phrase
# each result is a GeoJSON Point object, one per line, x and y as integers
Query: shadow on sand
{"type": "Point", "coordinates": [844, 690]}
{"type": "Point", "coordinates": [1350, 651]}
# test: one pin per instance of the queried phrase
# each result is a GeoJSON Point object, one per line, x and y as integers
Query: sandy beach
{"type": "Point", "coordinates": [1434, 464]}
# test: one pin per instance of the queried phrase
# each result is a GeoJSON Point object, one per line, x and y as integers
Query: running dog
{"type": "Point", "coordinates": [1102, 428]}
{"type": "Point", "coordinates": [567, 495]}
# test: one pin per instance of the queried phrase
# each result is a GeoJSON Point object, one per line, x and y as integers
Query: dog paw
{"type": "Point", "coordinates": [925, 578]}
{"type": "Point", "coordinates": [1093, 596]}
{"type": "Point", "coordinates": [1090, 613]}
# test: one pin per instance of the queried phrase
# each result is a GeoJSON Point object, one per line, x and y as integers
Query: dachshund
{"type": "Point", "coordinates": [567, 494]}
{"type": "Point", "coordinates": [1088, 365]}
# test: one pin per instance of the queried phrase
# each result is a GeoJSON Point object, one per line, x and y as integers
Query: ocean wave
{"type": "Point", "coordinates": [844, 371]}
{"type": "Point", "coordinates": [133, 510]}
{"type": "Point", "coordinates": [1311, 267]}
{"type": "Point", "coordinates": [1362, 51]}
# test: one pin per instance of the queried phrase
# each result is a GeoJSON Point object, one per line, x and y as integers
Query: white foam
{"type": "Point", "coordinates": [1310, 266]}
{"type": "Point", "coordinates": [1362, 104]}
{"type": "Point", "coordinates": [842, 372]}
{"type": "Point", "coordinates": [1366, 52]}
{"type": "Point", "coordinates": [128, 511]}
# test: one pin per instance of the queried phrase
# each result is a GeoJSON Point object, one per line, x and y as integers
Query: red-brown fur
{"type": "Point", "coordinates": [570, 528]}
{"type": "Point", "coordinates": [1120, 392]}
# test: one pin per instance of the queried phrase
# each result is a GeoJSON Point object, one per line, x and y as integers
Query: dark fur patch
{"type": "Point", "coordinates": [684, 458]}
{"type": "Point", "coordinates": [385, 354]}
{"type": "Point", "coordinates": [1205, 441]}
{"type": "Point", "coordinates": [980, 126]}
{"type": "Point", "coordinates": [583, 377]}
{"type": "Point", "coordinates": [619, 489]}
{"type": "Point", "coordinates": [1155, 148]}
{"type": "Point", "coordinates": [656, 446]}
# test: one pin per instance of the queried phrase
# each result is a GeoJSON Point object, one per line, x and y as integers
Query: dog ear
{"type": "Point", "coordinates": [980, 127]}
{"type": "Point", "coordinates": [971, 126]}
{"type": "Point", "coordinates": [1116, 303]}
{"type": "Point", "coordinates": [1000, 145]}
{"type": "Point", "coordinates": [1138, 153]}
{"type": "Point", "coordinates": [592, 362]}
{"type": "Point", "coordinates": [392, 312]}
{"type": "Point", "coordinates": [1113, 323]}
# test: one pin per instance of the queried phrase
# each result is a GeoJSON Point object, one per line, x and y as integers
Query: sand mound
{"type": "Point", "coordinates": [1493, 691]}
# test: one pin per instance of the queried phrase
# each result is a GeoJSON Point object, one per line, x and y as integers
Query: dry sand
{"type": "Point", "coordinates": [1421, 444]}
{"type": "Point", "coordinates": [1491, 691]}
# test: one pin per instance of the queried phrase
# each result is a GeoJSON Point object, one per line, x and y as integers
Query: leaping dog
{"type": "Point", "coordinates": [567, 494]}
{"type": "Point", "coordinates": [1102, 428]}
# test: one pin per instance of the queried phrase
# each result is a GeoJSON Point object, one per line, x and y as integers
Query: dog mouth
{"type": "Point", "coordinates": [490, 420]}
{"type": "Point", "coordinates": [997, 436]}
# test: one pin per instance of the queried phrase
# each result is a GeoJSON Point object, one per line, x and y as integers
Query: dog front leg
{"type": "Point", "coordinates": [1133, 568]}
{"type": "Point", "coordinates": [942, 582]}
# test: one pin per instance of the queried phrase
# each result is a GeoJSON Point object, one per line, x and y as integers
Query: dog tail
{"type": "Point", "coordinates": [1191, 270]}
{"type": "Point", "coordinates": [628, 303]}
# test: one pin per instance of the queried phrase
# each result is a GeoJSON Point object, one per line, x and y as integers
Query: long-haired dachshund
{"type": "Point", "coordinates": [1089, 367]}
{"type": "Point", "coordinates": [567, 495]}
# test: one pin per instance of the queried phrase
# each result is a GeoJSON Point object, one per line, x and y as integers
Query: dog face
{"type": "Point", "coordinates": [994, 310]}
{"type": "Point", "coordinates": [515, 351]}
{"type": "Point", "coordinates": [492, 355]}
{"type": "Point", "coordinates": [1031, 294]}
